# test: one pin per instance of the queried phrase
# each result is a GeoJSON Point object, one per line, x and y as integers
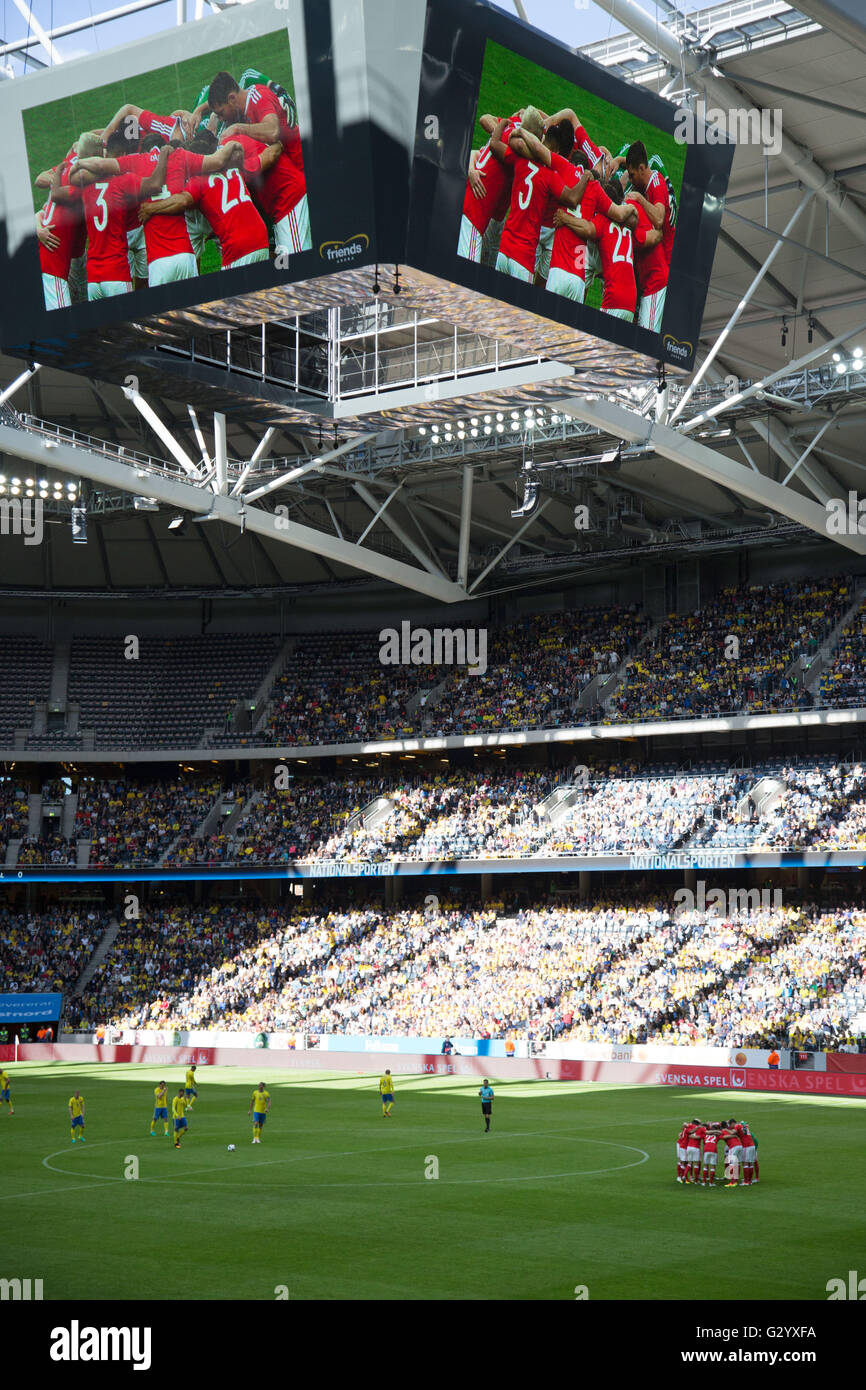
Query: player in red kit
{"type": "Point", "coordinates": [132, 122]}
{"type": "Point", "coordinates": [159, 174]}
{"type": "Point", "coordinates": [105, 215]}
{"type": "Point", "coordinates": [272, 179]}
{"type": "Point", "coordinates": [711, 1149]}
{"type": "Point", "coordinates": [258, 114]}
{"type": "Point", "coordinates": [650, 191]}
{"type": "Point", "coordinates": [228, 207]}
{"type": "Point", "coordinates": [749, 1152]}
{"type": "Point", "coordinates": [693, 1150]}
{"type": "Point", "coordinates": [682, 1146]}
{"type": "Point", "coordinates": [569, 260]}
{"type": "Point", "coordinates": [613, 240]}
{"type": "Point", "coordinates": [61, 232]}
{"type": "Point", "coordinates": [734, 1152]}
{"type": "Point", "coordinates": [652, 271]}
{"type": "Point", "coordinates": [536, 179]}
{"type": "Point", "coordinates": [488, 189]}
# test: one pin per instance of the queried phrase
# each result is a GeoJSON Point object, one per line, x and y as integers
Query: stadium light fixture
{"type": "Point", "coordinates": [177, 523]}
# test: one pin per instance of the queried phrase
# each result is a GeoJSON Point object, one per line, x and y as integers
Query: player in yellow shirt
{"type": "Point", "coordinates": [160, 1109]}
{"type": "Point", "coordinates": [190, 1090]}
{"type": "Point", "coordinates": [386, 1091]}
{"type": "Point", "coordinates": [259, 1109]}
{"type": "Point", "coordinates": [76, 1115]}
{"type": "Point", "coordinates": [5, 1094]}
{"type": "Point", "coordinates": [178, 1110]}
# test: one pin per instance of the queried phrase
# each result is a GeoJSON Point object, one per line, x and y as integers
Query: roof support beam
{"type": "Point", "coordinates": [756, 386]}
{"type": "Point", "coordinates": [162, 432]}
{"type": "Point", "coordinates": [399, 531]}
{"type": "Point", "coordinates": [19, 381]}
{"type": "Point", "coordinates": [707, 463]}
{"type": "Point", "coordinates": [530, 520]}
{"type": "Point", "coordinates": [465, 525]}
{"type": "Point", "coordinates": [29, 446]}
{"type": "Point", "coordinates": [743, 304]}
{"type": "Point", "coordinates": [259, 452]}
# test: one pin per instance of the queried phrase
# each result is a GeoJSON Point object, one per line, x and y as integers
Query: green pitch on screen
{"type": "Point", "coordinates": [50, 129]}
{"type": "Point", "coordinates": [574, 1186]}
{"type": "Point", "coordinates": [509, 82]}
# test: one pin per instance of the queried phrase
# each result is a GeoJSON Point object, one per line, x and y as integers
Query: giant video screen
{"type": "Point", "coordinates": [178, 172]}
{"type": "Point", "coordinates": [166, 174]}
{"type": "Point", "coordinates": [561, 188]}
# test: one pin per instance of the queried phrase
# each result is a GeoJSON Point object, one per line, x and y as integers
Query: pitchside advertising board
{"type": "Point", "coordinates": [28, 1017]}
{"type": "Point", "coordinates": [347, 131]}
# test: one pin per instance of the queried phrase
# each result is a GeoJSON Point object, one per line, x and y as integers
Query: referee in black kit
{"type": "Point", "coordinates": [486, 1094]}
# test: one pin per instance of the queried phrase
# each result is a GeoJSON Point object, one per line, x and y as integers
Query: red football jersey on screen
{"type": "Point", "coordinates": [231, 212]}
{"type": "Point", "coordinates": [533, 185]}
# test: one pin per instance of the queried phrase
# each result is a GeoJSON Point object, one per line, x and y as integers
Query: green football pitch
{"type": "Point", "coordinates": [573, 1189]}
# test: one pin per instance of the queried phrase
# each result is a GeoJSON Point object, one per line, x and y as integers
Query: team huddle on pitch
{"type": "Point", "coordinates": [544, 203]}
{"type": "Point", "coordinates": [136, 202]}
{"type": "Point", "coordinates": [741, 1153]}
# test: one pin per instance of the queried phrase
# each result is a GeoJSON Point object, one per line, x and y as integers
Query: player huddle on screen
{"type": "Point", "coordinates": [136, 202]}
{"type": "Point", "coordinates": [741, 1153]}
{"type": "Point", "coordinates": [545, 204]}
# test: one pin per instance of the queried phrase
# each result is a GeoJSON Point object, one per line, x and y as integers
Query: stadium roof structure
{"type": "Point", "coordinates": [414, 438]}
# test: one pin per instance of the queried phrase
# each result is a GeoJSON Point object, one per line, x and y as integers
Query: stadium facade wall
{"type": "Point", "coordinates": [686, 1074]}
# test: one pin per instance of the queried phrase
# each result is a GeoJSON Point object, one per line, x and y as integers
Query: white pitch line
{"type": "Point", "coordinates": [101, 1180]}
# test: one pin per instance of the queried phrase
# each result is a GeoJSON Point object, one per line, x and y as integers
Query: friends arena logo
{"type": "Point", "coordinates": [680, 352]}
{"type": "Point", "coordinates": [338, 252]}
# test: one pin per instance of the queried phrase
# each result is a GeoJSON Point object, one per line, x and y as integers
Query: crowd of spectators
{"type": "Point", "coordinates": [735, 654]}
{"type": "Point", "coordinates": [537, 672]}
{"type": "Point", "coordinates": [48, 849]}
{"type": "Point", "coordinates": [130, 823]}
{"type": "Point", "coordinates": [45, 952]}
{"type": "Point", "coordinates": [843, 683]}
{"type": "Point", "coordinates": [485, 811]}
{"type": "Point", "coordinates": [14, 814]}
{"type": "Point", "coordinates": [627, 969]}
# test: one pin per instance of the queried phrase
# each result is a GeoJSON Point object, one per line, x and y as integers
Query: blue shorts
{"type": "Point", "coordinates": [78, 1120]}
{"type": "Point", "coordinates": [387, 1096]}
{"type": "Point", "coordinates": [179, 1124]}
{"type": "Point", "coordinates": [259, 1117]}
{"type": "Point", "coordinates": [160, 1113]}
{"type": "Point", "coordinates": [190, 1091]}
{"type": "Point", "coordinates": [4, 1095]}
